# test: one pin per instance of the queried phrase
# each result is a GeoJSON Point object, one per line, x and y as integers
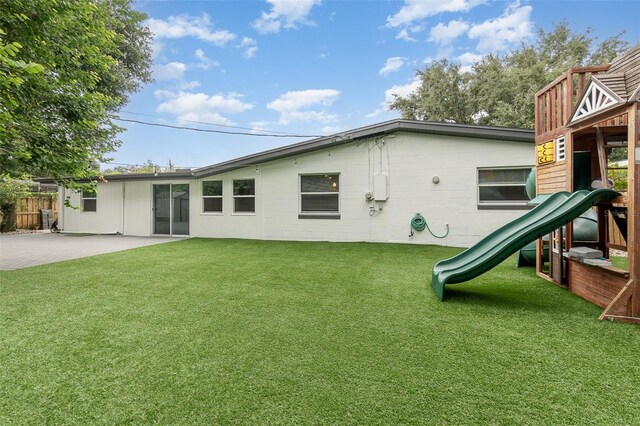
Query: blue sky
{"type": "Point", "coordinates": [315, 67]}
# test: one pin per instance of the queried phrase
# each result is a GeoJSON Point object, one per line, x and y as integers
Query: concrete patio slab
{"type": "Point", "coordinates": [19, 251]}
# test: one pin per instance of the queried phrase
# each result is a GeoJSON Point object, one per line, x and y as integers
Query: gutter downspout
{"type": "Point", "coordinates": [122, 218]}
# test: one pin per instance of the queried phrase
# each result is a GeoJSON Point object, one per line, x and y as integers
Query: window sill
{"type": "Point", "coordinates": [504, 207]}
{"type": "Point", "coordinates": [211, 213]}
{"type": "Point", "coordinates": [243, 214]}
{"type": "Point", "coordinates": [319, 216]}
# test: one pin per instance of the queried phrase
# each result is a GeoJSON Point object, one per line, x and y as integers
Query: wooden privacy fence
{"type": "Point", "coordinates": [28, 211]}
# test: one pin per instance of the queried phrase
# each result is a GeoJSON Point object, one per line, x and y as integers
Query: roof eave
{"type": "Point", "coordinates": [375, 130]}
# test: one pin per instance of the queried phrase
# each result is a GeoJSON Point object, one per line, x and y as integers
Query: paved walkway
{"type": "Point", "coordinates": [23, 250]}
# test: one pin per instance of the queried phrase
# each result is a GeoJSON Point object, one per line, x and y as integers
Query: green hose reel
{"type": "Point", "coordinates": [419, 223]}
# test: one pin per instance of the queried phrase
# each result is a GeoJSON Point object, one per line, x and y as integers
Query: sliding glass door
{"type": "Point", "coordinates": [162, 209]}
{"type": "Point", "coordinates": [171, 209]}
{"type": "Point", "coordinates": [180, 202]}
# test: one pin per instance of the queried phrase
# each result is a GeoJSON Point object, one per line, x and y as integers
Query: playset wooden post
{"type": "Point", "coordinates": [580, 117]}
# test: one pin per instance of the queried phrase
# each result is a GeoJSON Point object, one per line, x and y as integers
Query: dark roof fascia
{"type": "Point", "coordinates": [271, 155]}
{"type": "Point", "coordinates": [511, 134]}
{"type": "Point", "coordinates": [147, 176]}
{"type": "Point", "coordinates": [129, 176]}
{"type": "Point", "coordinates": [376, 130]}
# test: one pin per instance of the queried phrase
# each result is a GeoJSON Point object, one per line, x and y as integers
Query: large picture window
{"type": "Point", "coordinates": [89, 201]}
{"type": "Point", "coordinates": [244, 196]}
{"type": "Point", "coordinates": [212, 196]}
{"type": "Point", "coordinates": [503, 187]}
{"type": "Point", "coordinates": [320, 196]}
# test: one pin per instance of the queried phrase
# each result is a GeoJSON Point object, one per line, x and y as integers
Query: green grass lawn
{"type": "Point", "coordinates": [620, 262]}
{"type": "Point", "coordinates": [259, 332]}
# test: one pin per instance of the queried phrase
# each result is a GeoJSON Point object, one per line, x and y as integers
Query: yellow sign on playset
{"type": "Point", "coordinates": [546, 153]}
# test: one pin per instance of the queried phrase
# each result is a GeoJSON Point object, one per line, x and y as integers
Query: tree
{"type": "Point", "coordinates": [148, 167]}
{"type": "Point", "coordinates": [11, 69]}
{"type": "Point", "coordinates": [93, 53]}
{"type": "Point", "coordinates": [11, 190]}
{"type": "Point", "coordinates": [500, 91]}
{"type": "Point", "coordinates": [440, 97]}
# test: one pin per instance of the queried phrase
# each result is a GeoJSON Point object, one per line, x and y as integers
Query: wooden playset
{"type": "Point", "coordinates": [581, 117]}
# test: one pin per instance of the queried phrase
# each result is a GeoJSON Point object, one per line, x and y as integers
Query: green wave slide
{"type": "Point", "coordinates": [556, 211]}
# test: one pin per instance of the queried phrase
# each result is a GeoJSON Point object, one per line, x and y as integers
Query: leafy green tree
{"type": "Point", "coordinates": [500, 91]}
{"type": "Point", "coordinates": [57, 120]}
{"type": "Point", "coordinates": [148, 167]}
{"type": "Point", "coordinates": [442, 95]}
{"type": "Point", "coordinates": [11, 190]}
{"type": "Point", "coordinates": [12, 69]}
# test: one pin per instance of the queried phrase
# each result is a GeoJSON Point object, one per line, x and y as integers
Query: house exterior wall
{"type": "Point", "coordinates": [105, 220]}
{"type": "Point", "coordinates": [227, 224]}
{"type": "Point", "coordinates": [138, 201]}
{"type": "Point", "coordinates": [409, 160]}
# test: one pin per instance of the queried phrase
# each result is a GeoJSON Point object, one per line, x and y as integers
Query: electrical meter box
{"type": "Point", "coordinates": [380, 187]}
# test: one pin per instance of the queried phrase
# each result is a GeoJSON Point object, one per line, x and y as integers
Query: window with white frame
{"type": "Point", "coordinates": [320, 195]}
{"type": "Point", "coordinates": [89, 201]}
{"type": "Point", "coordinates": [244, 196]}
{"type": "Point", "coordinates": [560, 149]}
{"type": "Point", "coordinates": [212, 196]}
{"type": "Point", "coordinates": [503, 187]}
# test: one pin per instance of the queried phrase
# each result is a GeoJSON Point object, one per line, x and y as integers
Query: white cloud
{"type": "Point", "coordinates": [499, 33]}
{"type": "Point", "coordinates": [392, 64]}
{"type": "Point", "coordinates": [445, 34]}
{"type": "Point", "coordinates": [180, 26]}
{"type": "Point", "coordinates": [467, 60]}
{"type": "Point", "coordinates": [296, 100]}
{"type": "Point", "coordinates": [259, 126]}
{"type": "Point", "coordinates": [170, 71]}
{"type": "Point", "coordinates": [415, 10]}
{"type": "Point", "coordinates": [205, 63]}
{"type": "Point", "coordinates": [175, 71]}
{"type": "Point", "coordinates": [375, 113]}
{"type": "Point", "coordinates": [186, 106]}
{"type": "Point", "coordinates": [189, 85]}
{"type": "Point", "coordinates": [403, 34]}
{"type": "Point", "coordinates": [292, 106]}
{"type": "Point", "coordinates": [250, 47]}
{"type": "Point", "coordinates": [156, 48]}
{"type": "Point", "coordinates": [329, 130]}
{"type": "Point", "coordinates": [444, 52]}
{"type": "Point", "coordinates": [266, 25]}
{"type": "Point", "coordinates": [285, 13]}
{"type": "Point", "coordinates": [320, 116]}
{"type": "Point", "coordinates": [401, 90]}
{"type": "Point", "coordinates": [163, 94]}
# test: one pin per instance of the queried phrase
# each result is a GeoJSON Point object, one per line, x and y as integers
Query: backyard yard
{"type": "Point", "coordinates": [260, 332]}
